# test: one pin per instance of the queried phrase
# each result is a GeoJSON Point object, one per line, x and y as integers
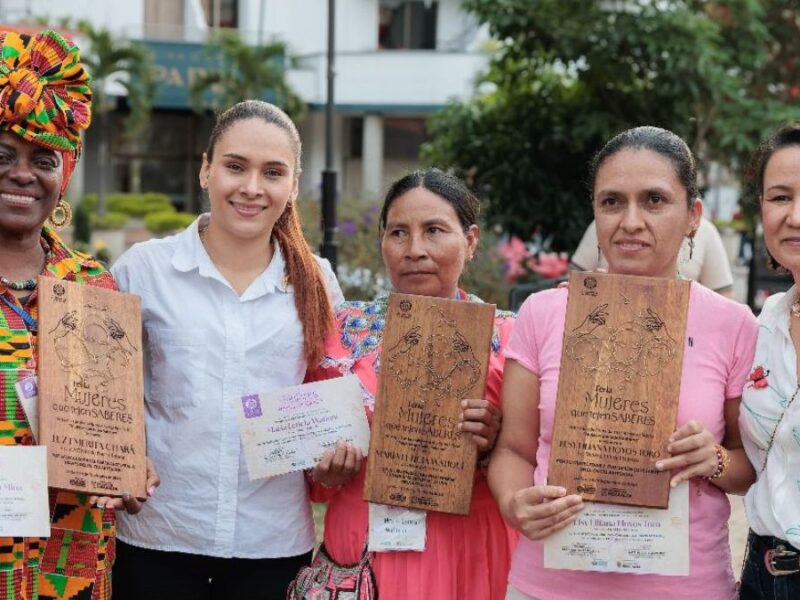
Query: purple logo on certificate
{"type": "Point", "coordinates": [29, 387]}
{"type": "Point", "coordinates": [252, 406]}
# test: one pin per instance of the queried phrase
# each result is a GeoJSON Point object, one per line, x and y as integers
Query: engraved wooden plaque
{"type": "Point", "coordinates": [619, 387]}
{"type": "Point", "coordinates": [435, 353]}
{"type": "Point", "coordinates": [91, 403]}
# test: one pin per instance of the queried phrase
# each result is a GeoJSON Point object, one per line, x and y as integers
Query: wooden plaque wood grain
{"type": "Point", "coordinates": [619, 387]}
{"type": "Point", "coordinates": [435, 353]}
{"type": "Point", "coordinates": [91, 403]}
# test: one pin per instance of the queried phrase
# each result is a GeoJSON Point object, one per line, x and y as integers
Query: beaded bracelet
{"type": "Point", "coordinates": [723, 462]}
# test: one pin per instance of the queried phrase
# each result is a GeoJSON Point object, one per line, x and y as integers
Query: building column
{"type": "Point", "coordinates": [135, 175]}
{"type": "Point", "coordinates": [372, 157]}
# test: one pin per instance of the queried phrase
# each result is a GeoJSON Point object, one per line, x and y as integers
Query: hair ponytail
{"type": "Point", "coordinates": [310, 290]}
{"type": "Point", "coordinates": [302, 271]}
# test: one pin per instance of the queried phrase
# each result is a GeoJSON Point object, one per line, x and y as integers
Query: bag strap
{"type": "Point", "coordinates": [775, 431]}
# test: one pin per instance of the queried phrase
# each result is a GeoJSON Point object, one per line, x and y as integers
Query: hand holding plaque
{"type": "Point", "coordinates": [435, 353]}
{"type": "Point", "coordinates": [619, 387]}
{"type": "Point", "coordinates": [91, 400]}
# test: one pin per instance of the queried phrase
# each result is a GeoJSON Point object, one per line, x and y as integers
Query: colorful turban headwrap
{"type": "Point", "coordinates": [44, 92]}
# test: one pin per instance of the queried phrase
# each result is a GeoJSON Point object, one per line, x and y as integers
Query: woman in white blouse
{"type": "Point", "coordinates": [770, 414]}
{"type": "Point", "coordinates": [236, 304]}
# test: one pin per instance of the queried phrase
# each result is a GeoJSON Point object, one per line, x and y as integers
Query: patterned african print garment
{"type": "Point", "coordinates": [74, 563]}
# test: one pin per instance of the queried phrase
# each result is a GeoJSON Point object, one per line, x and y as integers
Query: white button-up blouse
{"type": "Point", "coordinates": [205, 345]}
{"type": "Point", "coordinates": [773, 502]}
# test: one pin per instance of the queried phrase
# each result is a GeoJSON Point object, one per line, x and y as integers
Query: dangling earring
{"type": "Point", "coordinates": [61, 215]}
{"type": "Point", "coordinates": [691, 245]}
{"type": "Point", "coordinates": [598, 254]}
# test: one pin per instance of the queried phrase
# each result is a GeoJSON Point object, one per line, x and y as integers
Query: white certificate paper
{"type": "Point", "coordinates": [24, 510]}
{"type": "Point", "coordinates": [289, 429]}
{"type": "Point", "coordinates": [394, 528]}
{"type": "Point", "coordinates": [625, 539]}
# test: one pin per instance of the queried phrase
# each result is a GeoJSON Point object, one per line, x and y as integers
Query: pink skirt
{"type": "Point", "coordinates": [465, 558]}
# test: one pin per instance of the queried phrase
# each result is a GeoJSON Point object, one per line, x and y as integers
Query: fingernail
{"type": "Point", "coordinates": [100, 506]}
{"type": "Point", "coordinates": [659, 465]}
{"type": "Point", "coordinates": [463, 404]}
{"type": "Point", "coordinates": [151, 490]}
{"type": "Point", "coordinates": [125, 496]}
{"type": "Point", "coordinates": [562, 491]}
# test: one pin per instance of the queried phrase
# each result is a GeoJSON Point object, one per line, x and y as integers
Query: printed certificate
{"type": "Point", "coordinates": [24, 510]}
{"type": "Point", "coordinates": [625, 539]}
{"type": "Point", "coordinates": [289, 429]}
{"type": "Point", "coordinates": [396, 529]}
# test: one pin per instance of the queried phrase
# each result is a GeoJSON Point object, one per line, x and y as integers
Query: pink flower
{"type": "Point", "coordinates": [548, 265]}
{"type": "Point", "coordinates": [514, 252]}
{"type": "Point", "coordinates": [758, 378]}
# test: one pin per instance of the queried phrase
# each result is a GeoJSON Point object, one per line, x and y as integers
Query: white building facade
{"type": "Point", "coordinates": [397, 62]}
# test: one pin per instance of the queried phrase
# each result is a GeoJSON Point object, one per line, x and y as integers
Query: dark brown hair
{"type": "Point", "coordinates": [448, 187]}
{"type": "Point", "coordinates": [310, 290]}
{"type": "Point", "coordinates": [658, 140]}
{"type": "Point", "coordinates": [783, 137]}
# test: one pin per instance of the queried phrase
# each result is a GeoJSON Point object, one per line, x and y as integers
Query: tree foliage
{"type": "Point", "coordinates": [106, 57]}
{"type": "Point", "coordinates": [569, 74]}
{"type": "Point", "coordinates": [245, 72]}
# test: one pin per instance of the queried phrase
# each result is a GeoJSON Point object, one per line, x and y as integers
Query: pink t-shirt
{"type": "Point", "coordinates": [720, 340]}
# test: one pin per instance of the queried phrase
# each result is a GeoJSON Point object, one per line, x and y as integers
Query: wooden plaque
{"type": "Point", "coordinates": [619, 387]}
{"type": "Point", "coordinates": [435, 353]}
{"type": "Point", "coordinates": [91, 403]}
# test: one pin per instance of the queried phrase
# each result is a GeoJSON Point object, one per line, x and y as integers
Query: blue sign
{"type": "Point", "coordinates": [177, 65]}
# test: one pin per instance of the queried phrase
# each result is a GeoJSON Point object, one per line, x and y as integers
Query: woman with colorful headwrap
{"type": "Point", "coordinates": [45, 103]}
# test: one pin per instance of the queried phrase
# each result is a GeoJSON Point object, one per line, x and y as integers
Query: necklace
{"type": "Point", "coordinates": [28, 284]}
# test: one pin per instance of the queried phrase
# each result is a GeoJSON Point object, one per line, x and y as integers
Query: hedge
{"type": "Point", "coordinates": [166, 221]}
{"type": "Point", "coordinates": [133, 205]}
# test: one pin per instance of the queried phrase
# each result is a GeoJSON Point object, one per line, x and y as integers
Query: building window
{"type": "Point", "coordinates": [407, 24]}
{"type": "Point", "coordinates": [227, 11]}
{"type": "Point", "coordinates": [402, 137]}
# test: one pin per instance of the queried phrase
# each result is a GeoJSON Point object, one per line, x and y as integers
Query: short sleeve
{"type": "Point", "coordinates": [522, 344]}
{"type": "Point", "coordinates": [585, 256]}
{"type": "Point", "coordinates": [124, 269]}
{"type": "Point", "coordinates": [715, 272]}
{"type": "Point", "coordinates": [334, 289]}
{"type": "Point", "coordinates": [744, 347]}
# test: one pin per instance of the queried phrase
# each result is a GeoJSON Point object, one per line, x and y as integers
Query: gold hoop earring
{"type": "Point", "coordinates": [63, 209]}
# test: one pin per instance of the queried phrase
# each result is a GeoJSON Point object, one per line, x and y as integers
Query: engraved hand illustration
{"type": "Point", "coordinates": [116, 332]}
{"type": "Point", "coordinates": [67, 323]}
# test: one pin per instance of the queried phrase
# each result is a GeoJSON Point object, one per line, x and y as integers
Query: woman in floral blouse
{"type": "Point", "coordinates": [428, 234]}
{"type": "Point", "coordinates": [770, 414]}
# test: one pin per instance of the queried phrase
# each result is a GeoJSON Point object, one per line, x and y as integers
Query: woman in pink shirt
{"type": "Point", "coordinates": [645, 203]}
